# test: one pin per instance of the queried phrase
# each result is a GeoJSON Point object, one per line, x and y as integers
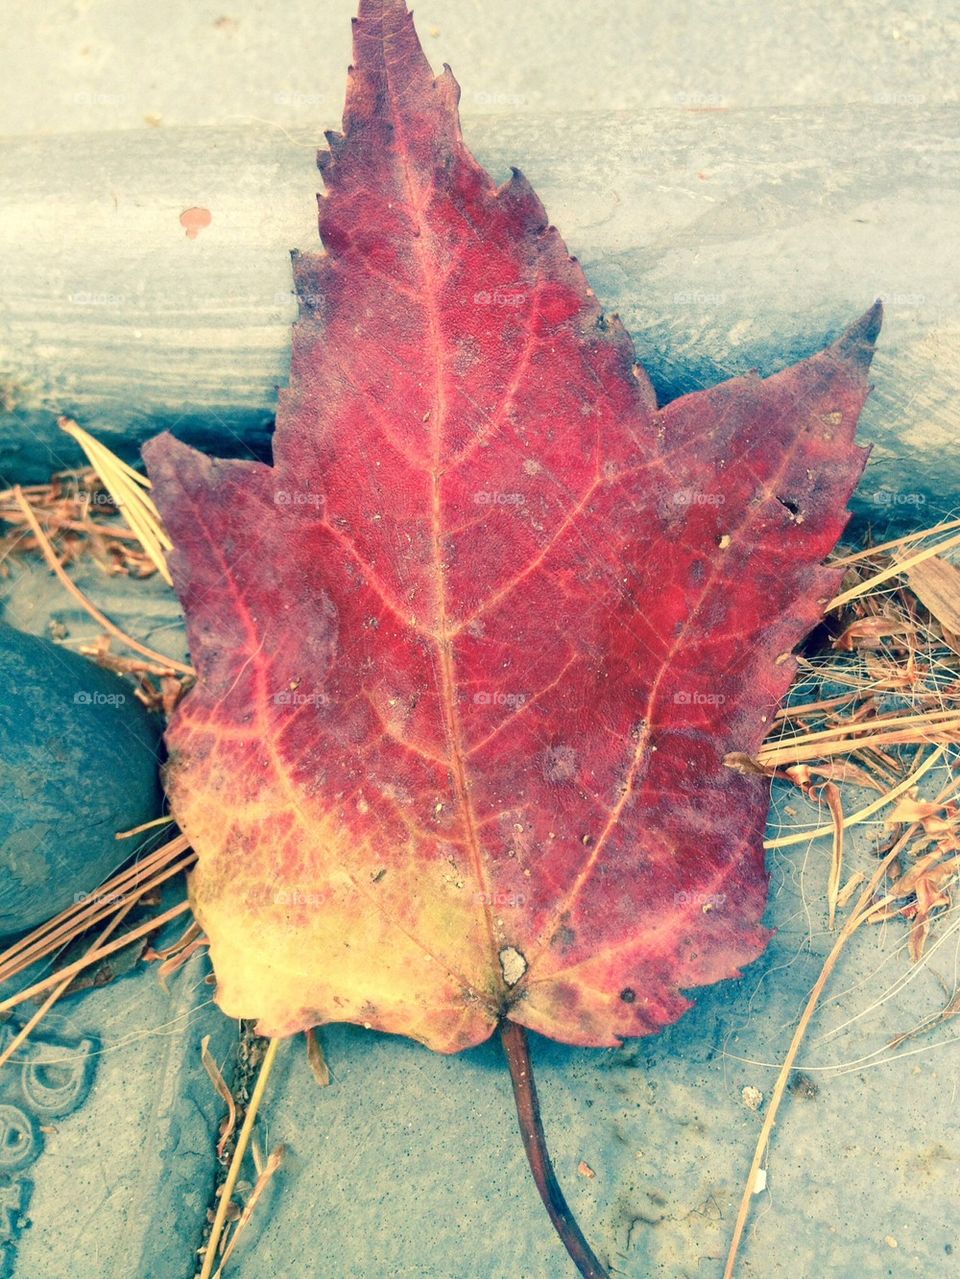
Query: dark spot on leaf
{"type": "Point", "coordinates": [566, 995]}
{"type": "Point", "coordinates": [628, 995]}
{"type": "Point", "coordinates": [559, 763]}
{"type": "Point", "coordinates": [563, 938]}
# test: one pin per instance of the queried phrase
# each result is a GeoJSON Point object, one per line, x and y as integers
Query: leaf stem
{"type": "Point", "coordinates": [517, 1050]}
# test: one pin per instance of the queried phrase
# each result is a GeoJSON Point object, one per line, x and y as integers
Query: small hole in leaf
{"type": "Point", "coordinates": [790, 504]}
{"type": "Point", "coordinates": [628, 996]}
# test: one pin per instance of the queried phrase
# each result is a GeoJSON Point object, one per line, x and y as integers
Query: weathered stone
{"type": "Point", "coordinates": [727, 240]}
{"type": "Point", "coordinates": [119, 1186]}
{"type": "Point", "coordinates": [78, 762]}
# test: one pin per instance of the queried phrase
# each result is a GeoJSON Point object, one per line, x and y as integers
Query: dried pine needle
{"type": "Point", "coordinates": [891, 643]}
{"type": "Point", "coordinates": [127, 488]}
{"type": "Point", "coordinates": [151, 925]}
{"type": "Point", "coordinates": [220, 1084]}
{"type": "Point", "coordinates": [138, 830]}
{"type": "Point", "coordinates": [50, 556]}
{"type": "Point", "coordinates": [854, 819]}
{"type": "Point", "coordinates": [893, 570]}
{"type": "Point", "coordinates": [831, 793]}
{"type": "Point", "coordinates": [92, 955]}
{"type": "Point", "coordinates": [265, 1171]}
{"type": "Point", "coordinates": [127, 886]}
{"type": "Point", "coordinates": [908, 538]}
{"type": "Point", "coordinates": [233, 1172]}
{"type": "Point", "coordinates": [859, 915]}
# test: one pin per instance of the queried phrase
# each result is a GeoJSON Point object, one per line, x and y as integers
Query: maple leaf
{"type": "Point", "coordinates": [472, 651]}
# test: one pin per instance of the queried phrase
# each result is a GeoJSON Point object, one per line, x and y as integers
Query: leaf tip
{"type": "Point", "coordinates": [379, 8]}
{"type": "Point", "coordinates": [168, 459]}
{"type": "Point", "coordinates": [857, 343]}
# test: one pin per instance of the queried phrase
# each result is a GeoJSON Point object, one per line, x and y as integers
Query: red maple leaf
{"type": "Point", "coordinates": [472, 651]}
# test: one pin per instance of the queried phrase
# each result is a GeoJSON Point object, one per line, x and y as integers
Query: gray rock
{"type": "Point", "coordinates": [78, 762]}
{"type": "Point", "coordinates": [33, 600]}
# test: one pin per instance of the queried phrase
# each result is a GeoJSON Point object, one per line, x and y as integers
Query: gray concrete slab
{"type": "Point", "coordinates": [117, 64]}
{"type": "Point", "coordinates": [726, 240]}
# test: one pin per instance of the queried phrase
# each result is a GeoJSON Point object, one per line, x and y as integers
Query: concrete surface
{"type": "Point", "coordinates": [121, 1177]}
{"type": "Point", "coordinates": [726, 241]}
{"type": "Point", "coordinates": [739, 181]}
{"type": "Point", "coordinates": [80, 65]}
{"type": "Point", "coordinates": [410, 1165]}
